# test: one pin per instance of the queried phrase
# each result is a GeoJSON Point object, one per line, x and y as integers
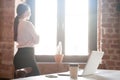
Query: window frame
{"type": "Point", "coordinates": [92, 32]}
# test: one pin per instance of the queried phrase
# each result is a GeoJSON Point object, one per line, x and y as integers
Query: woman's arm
{"type": "Point", "coordinates": [35, 36]}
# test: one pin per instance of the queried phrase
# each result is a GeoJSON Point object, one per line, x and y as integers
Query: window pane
{"type": "Point", "coordinates": [76, 27]}
{"type": "Point", "coordinates": [46, 26]}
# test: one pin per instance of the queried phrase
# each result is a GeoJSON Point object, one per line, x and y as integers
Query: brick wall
{"type": "Point", "coordinates": [7, 14]}
{"type": "Point", "coordinates": [110, 23]}
{"type": "Point", "coordinates": [6, 38]}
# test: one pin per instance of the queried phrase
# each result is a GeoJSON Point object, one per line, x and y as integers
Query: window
{"type": "Point", "coordinates": [46, 26]}
{"type": "Point", "coordinates": [66, 21]}
{"type": "Point", "coordinates": [76, 24]}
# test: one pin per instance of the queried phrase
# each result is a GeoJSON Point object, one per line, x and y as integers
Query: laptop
{"type": "Point", "coordinates": [91, 66]}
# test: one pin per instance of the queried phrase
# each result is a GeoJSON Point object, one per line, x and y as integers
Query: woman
{"type": "Point", "coordinates": [26, 38]}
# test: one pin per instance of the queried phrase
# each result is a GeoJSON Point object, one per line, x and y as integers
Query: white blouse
{"type": "Point", "coordinates": [27, 36]}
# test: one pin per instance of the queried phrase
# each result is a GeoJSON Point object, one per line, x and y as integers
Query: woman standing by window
{"type": "Point", "coordinates": [26, 38]}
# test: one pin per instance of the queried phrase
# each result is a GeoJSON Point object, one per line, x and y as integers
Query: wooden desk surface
{"type": "Point", "coordinates": [100, 75]}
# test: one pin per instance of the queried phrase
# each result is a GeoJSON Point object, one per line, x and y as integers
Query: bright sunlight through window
{"type": "Point", "coordinates": [76, 27]}
{"type": "Point", "coordinates": [46, 22]}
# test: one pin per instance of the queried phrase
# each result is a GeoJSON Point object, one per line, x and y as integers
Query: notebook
{"type": "Point", "coordinates": [91, 65]}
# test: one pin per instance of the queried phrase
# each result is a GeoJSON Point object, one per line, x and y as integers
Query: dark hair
{"type": "Point", "coordinates": [20, 11]}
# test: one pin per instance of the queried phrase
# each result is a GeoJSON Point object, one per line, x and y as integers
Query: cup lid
{"type": "Point", "coordinates": [73, 64]}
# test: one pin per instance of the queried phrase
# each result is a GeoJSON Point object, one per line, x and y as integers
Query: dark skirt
{"type": "Point", "coordinates": [25, 58]}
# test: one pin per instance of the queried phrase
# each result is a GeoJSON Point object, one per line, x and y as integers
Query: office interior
{"type": "Point", "coordinates": [108, 38]}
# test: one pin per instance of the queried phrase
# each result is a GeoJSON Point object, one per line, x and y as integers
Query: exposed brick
{"type": "Point", "coordinates": [107, 35]}
{"type": "Point", "coordinates": [110, 63]}
{"type": "Point", "coordinates": [0, 58]}
{"type": "Point", "coordinates": [116, 41]}
{"type": "Point", "coordinates": [115, 46]}
{"type": "Point", "coordinates": [106, 46]}
{"type": "Point", "coordinates": [118, 52]}
{"type": "Point", "coordinates": [106, 57]}
{"type": "Point", "coordinates": [6, 58]}
{"type": "Point", "coordinates": [117, 31]}
{"type": "Point", "coordinates": [109, 30]}
{"type": "Point", "coordinates": [6, 3]}
{"type": "Point", "coordinates": [6, 71]}
{"type": "Point", "coordinates": [118, 64]}
{"type": "Point", "coordinates": [115, 36]}
{"type": "Point", "coordinates": [111, 68]}
{"type": "Point", "coordinates": [117, 68]}
{"type": "Point", "coordinates": [111, 34]}
{"type": "Point", "coordinates": [6, 38]}
{"type": "Point", "coordinates": [114, 57]}
{"type": "Point", "coordinates": [6, 45]}
{"type": "Point", "coordinates": [102, 66]}
{"type": "Point", "coordinates": [111, 1]}
{"type": "Point", "coordinates": [107, 25]}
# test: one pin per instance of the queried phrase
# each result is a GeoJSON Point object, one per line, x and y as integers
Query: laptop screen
{"type": "Point", "coordinates": [93, 62]}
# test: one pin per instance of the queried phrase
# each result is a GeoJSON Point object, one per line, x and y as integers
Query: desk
{"type": "Point", "coordinates": [100, 75]}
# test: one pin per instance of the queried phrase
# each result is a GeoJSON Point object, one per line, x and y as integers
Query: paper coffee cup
{"type": "Point", "coordinates": [73, 68]}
